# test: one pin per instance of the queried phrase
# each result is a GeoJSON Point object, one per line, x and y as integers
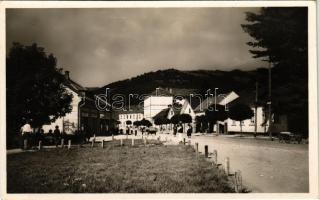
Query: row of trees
{"type": "Point", "coordinates": [238, 112]}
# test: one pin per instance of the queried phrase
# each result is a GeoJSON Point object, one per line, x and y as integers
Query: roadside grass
{"type": "Point", "coordinates": [141, 169]}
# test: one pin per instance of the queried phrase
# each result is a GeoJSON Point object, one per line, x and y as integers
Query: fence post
{"type": "Point", "coordinates": [184, 141]}
{"type": "Point", "coordinates": [227, 165]}
{"type": "Point", "coordinates": [102, 144]}
{"type": "Point", "coordinates": [238, 181]}
{"type": "Point", "coordinates": [69, 144]}
{"type": "Point", "coordinates": [92, 144]}
{"type": "Point", "coordinates": [40, 145]}
{"type": "Point", "coordinates": [121, 141]}
{"type": "Point", "coordinates": [112, 137]}
{"type": "Point", "coordinates": [133, 142]}
{"type": "Point", "coordinates": [215, 156]}
{"type": "Point", "coordinates": [62, 143]}
{"type": "Point", "coordinates": [25, 143]}
{"type": "Point", "coordinates": [206, 151]}
{"type": "Point", "coordinates": [196, 147]}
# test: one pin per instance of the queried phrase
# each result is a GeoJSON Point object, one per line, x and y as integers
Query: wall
{"type": "Point", "coordinates": [249, 125]}
{"type": "Point", "coordinates": [155, 104]}
{"type": "Point", "coordinates": [70, 119]}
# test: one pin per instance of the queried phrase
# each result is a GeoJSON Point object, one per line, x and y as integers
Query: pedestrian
{"type": "Point", "coordinates": [57, 135]}
{"type": "Point", "coordinates": [189, 131]}
{"type": "Point", "coordinates": [26, 132]}
{"type": "Point", "coordinates": [174, 130]}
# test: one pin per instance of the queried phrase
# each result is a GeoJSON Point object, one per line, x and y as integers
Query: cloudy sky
{"type": "Point", "coordinates": [100, 46]}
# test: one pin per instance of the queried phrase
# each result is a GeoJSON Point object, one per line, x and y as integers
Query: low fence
{"type": "Point", "coordinates": [208, 152]}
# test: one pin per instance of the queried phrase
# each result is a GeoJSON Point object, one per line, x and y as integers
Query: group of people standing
{"type": "Point", "coordinates": [178, 128]}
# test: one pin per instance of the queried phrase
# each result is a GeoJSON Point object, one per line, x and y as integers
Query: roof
{"type": "Point", "coordinates": [74, 86]}
{"type": "Point", "coordinates": [209, 101]}
{"type": "Point", "coordinates": [162, 114]}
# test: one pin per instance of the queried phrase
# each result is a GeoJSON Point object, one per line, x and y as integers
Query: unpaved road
{"type": "Point", "coordinates": [266, 166]}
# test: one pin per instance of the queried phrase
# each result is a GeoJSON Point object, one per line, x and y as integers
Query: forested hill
{"type": "Point", "coordinates": [199, 80]}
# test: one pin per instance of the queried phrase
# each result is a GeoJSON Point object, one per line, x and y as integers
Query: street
{"type": "Point", "coordinates": [266, 166]}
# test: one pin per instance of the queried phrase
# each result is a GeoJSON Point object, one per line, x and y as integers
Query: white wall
{"type": "Point", "coordinates": [248, 125]}
{"type": "Point", "coordinates": [155, 104]}
{"type": "Point", "coordinates": [71, 118]}
{"type": "Point", "coordinates": [129, 116]}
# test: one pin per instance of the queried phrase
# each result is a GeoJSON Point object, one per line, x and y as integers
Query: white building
{"type": "Point", "coordinates": [155, 104]}
{"type": "Point", "coordinates": [129, 116]}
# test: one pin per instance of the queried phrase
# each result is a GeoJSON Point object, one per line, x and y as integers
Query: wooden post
{"type": "Point", "coordinates": [184, 141]}
{"type": "Point", "coordinates": [25, 143]}
{"type": "Point", "coordinates": [40, 145]}
{"type": "Point", "coordinates": [215, 156]}
{"type": "Point", "coordinates": [94, 137]}
{"type": "Point", "coordinates": [102, 144]}
{"type": "Point", "coordinates": [121, 141]}
{"type": "Point", "coordinates": [196, 147]}
{"type": "Point", "coordinates": [227, 165]}
{"type": "Point", "coordinates": [112, 137]}
{"type": "Point", "coordinates": [238, 181]}
{"type": "Point", "coordinates": [69, 144]}
{"type": "Point", "coordinates": [62, 143]}
{"type": "Point", "coordinates": [92, 145]}
{"type": "Point", "coordinates": [133, 142]}
{"type": "Point", "coordinates": [206, 151]}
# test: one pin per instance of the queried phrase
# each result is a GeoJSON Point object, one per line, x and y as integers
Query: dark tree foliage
{"type": "Point", "coordinates": [281, 36]}
{"type": "Point", "coordinates": [35, 88]}
{"type": "Point", "coordinates": [145, 122]}
{"type": "Point", "coordinates": [129, 122]}
{"type": "Point", "coordinates": [137, 123]}
{"type": "Point", "coordinates": [215, 113]}
{"type": "Point", "coordinates": [240, 112]}
{"type": "Point", "coordinates": [181, 118]}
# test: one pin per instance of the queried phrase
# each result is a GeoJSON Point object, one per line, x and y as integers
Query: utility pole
{"type": "Point", "coordinates": [256, 100]}
{"type": "Point", "coordinates": [269, 100]}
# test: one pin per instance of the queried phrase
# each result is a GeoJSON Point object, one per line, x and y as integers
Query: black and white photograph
{"type": "Point", "coordinates": [147, 99]}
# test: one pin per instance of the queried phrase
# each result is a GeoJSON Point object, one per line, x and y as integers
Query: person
{"type": "Point", "coordinates": [189, 131]}
{"type": "Point", "coordinates": [26, 131]}
{"type": "Point", "coordinates": [57, 135]}
{"type": "Point", "coordinates": [174, 129]}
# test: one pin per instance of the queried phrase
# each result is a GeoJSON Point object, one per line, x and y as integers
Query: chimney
{"type": "Point", "coordinates": [67, 75]}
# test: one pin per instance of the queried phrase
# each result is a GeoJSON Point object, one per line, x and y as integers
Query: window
{"type": "Point", "coordinates": [234, 123]}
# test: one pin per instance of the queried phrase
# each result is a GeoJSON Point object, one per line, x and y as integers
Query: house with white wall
{"type": "Point", "coordinates": [132, 116]}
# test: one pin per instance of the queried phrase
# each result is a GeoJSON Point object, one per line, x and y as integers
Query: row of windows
{"type": "Point", "coordinates": [130, 116]}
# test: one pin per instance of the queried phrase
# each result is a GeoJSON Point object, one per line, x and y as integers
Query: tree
{"type": "Point", "coordinates": [215, 113]}
{"type": "Point", "coordinates": [35, 90]}
{"type": "Point", "coordinates": [145, 122]}
{"type": "Point", "coordinates": [200, 121]}
{"type": "Point", "coordinates": [281, 37]}
{"type": "Point", "coordinates": [240, 112]}
{"type": "Point", "coordinates": [128, 122]}
{"type": "Point", "coordinates": [137, 123]}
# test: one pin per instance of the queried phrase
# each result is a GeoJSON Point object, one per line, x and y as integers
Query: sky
{"type": "Point", "coordinates": [101, 46]}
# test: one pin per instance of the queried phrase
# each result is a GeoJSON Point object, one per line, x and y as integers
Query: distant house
{"type": "Point", "coordinates": [260, 120]}
{"type": "Point", "coordinates": [134, 115]}
{"type": "Point", "coordinates": [84, 115]}
{"type": "Point", "coordinates": [154, 104]}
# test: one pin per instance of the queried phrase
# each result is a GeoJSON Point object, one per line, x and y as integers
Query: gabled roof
{"type": "Point", "coordinates": [162, 114]}
{"type": "Point", "coordinates": [210, 101]}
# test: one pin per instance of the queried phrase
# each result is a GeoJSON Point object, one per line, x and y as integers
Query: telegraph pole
{"type": "Point", "coordinates": [269, 100]}
{"type": "Point", "coordinates": [256, 100]}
